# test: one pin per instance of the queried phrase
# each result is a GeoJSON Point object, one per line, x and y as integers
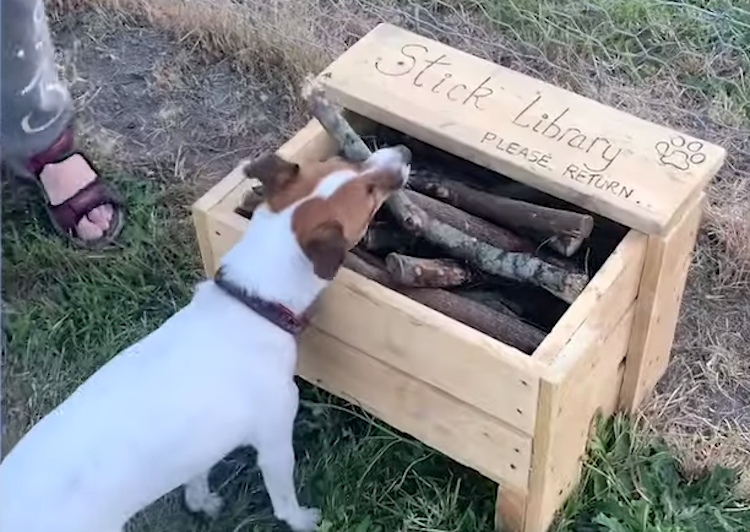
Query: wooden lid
{"type": "Point", "coordinates": [610, 162]}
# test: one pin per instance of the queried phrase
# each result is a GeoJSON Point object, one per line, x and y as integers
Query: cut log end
{"type": "Point", "coordinates": [427, 273]}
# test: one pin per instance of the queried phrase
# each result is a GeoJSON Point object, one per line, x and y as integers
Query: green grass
{"type": "Point", "coordinates": [702, 46]}
{"type": "Point", "coordinates": [70, 311]}
{"type": "Point", "coordinates": [633, 483]}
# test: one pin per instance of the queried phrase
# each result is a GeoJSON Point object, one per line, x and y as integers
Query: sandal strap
{"type": "Point", "coordinates": [60, 150]}
{"type": "Point", "coordinates": [71, 211]}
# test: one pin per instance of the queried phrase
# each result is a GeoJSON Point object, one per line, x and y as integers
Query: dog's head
{"type": "Point", "coordinates": [331, 202]}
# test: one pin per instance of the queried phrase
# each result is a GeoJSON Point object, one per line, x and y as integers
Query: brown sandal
{"type": "Point", "coordinates": [66, 215]}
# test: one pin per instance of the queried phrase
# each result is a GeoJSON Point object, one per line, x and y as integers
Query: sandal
{"type": "Point", "coordinates": [66, 215]}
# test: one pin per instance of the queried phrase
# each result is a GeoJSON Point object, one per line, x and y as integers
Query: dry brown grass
{"type": "Point", "coordinates": [703, 404]}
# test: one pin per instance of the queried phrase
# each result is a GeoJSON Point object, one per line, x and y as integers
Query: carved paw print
{"type": "Point", "coordinates": [679, 153]}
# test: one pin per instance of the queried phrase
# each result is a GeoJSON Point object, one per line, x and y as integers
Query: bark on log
{"type": "Point", "coordinates": [562, 230]}
{"type": "Point", "coordinates": [502, 327]}
{"type": "Point", "coordinates": [419, 272]}
{"type": "Point", "coordinates": [495, 261]}
{"type": "Point", "coordinates": [494, 300]}
{"type": "Point", "coordinates": [367, 266]}
{"type": "Point", "coordinates": [472, 225]}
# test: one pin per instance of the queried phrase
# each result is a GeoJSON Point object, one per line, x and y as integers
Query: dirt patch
{"type": "Point", "coordinates": [148, 101]}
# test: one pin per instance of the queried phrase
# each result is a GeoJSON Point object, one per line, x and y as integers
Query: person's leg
{"type": "Point", "coordinates": [36, 126]}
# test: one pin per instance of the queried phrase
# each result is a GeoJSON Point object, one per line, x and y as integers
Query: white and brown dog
{"type": "Point", "coordinates": [217, 375]}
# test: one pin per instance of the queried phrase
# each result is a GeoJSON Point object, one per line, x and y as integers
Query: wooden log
{"type": "Point", "coordinates": [367, 266]}
{"type": "Point", "coordinates": [419, 272]}
{"type": "Point", "coordinates": [481, 255]}
{"type": "Point", "coordinates": [472, 225]}
{"type": "Point", "coordinates": [494, 300]}
{"type": "Point", "coordinates": [502, 327]}
{"type": "Point", "coordinates": [562, 230]}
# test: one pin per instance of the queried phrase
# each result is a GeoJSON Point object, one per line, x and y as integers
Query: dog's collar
{"type": "Point", "coordinates": [276, 313]}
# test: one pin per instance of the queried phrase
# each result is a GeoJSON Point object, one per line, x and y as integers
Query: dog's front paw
{"type": "Point", "coordinates": [208, 503]}
{"type": "Point", "coordinates": [304, 520]}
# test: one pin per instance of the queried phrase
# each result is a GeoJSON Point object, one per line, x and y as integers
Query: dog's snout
{"type": "Point", "coordinates": [391, 157]}
{"type": "Point", "coordinates": [404, 152]}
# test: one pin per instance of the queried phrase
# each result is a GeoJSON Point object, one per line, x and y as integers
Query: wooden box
{"type": "Point", "coordinates": [522, 421]}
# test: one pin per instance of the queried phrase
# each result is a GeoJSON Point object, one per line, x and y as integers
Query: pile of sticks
{"type": "Point", "coordinates": [506, 267]}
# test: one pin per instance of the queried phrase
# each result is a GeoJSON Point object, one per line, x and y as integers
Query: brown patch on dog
{"type": "Point", "coordinates": [285, 183]}
{"type": "Point", "coordinates": [325, 246]}
{"type": "Point", "coordinates": [326, 228]}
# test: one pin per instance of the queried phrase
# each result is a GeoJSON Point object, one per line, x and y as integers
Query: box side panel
{"type": "Point", "coordinates": [567, 408]}
{"type": "Point", "coordinates": [201, 210]}
{"type": "Point", "coordinates": [605, 160]}
{"type": "Point", "coordinates": [450, 426]}
{"type": "Point", "coordinates": [420, 341]}
{"type": "Point", "coordinates": [612, 289]}
{"type": "Point", "coordinates": [659, 299]}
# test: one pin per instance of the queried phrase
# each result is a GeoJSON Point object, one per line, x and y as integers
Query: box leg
{"type": "Point", "coordinates": [510, 509]}
{"type": "Point", "coordinates": [658, 305]}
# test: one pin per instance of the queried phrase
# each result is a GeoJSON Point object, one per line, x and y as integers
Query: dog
{"type": "Point", "coordinates": [215, 376]}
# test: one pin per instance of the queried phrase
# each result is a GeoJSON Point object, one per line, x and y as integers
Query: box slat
{"type": "Point", "coordinates": [420, 341]}
{"type": "Point", "coordinates": [452, 427]}
{"type": "Point", "coordinates": [610, 162]}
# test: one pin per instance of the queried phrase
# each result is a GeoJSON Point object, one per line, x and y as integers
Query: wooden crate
{"type": "Point", "coordinates": [522, 421]}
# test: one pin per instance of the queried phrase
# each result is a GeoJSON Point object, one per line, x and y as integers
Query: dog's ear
{"type": "Point", "coordinates": [326, 248]}
{"type": "Point", "coordinates": [273, 171]}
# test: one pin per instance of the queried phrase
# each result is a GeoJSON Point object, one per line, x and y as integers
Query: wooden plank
{"type": "Point", "coordinates": [510, 510]}
{"type": "Point", "coordinates": [452, 427]}
{"type": "Point", "coordinates": [614, 285]}
{"type": "Point", "coordinates": [610, 162]}
{"type": "Point", "coordinates": [659, 300]}
{"type": "Point", "coordinates": [201, 210]}
{"type": "Point", "coordinates": [419, 340]}
{"type": "Point", "coordinates": [567, 406]}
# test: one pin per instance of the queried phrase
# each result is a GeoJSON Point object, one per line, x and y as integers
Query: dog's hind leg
{"type": "Point", "coordinates": [200, 498]}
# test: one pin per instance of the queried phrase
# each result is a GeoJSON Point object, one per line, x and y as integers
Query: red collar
{"type": "Point", "coordinates": [276, 313]}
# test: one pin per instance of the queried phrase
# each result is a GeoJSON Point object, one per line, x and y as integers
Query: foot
{"type": "Point", "coordinates": [303, 520]}
{"type": "Point", "coordinates": [63, 180]}
{"type": "Point", "coordinates": [203, 501]}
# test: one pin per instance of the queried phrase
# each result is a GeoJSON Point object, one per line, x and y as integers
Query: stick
{"type": "Point", "coordinates": [502, 327]}
{"type": "Point", "coordinates": [418, 272]}
{"type": "Point", "coordinates": [564, 231]}
{"type": "Point", "coordinates": [481, 255]}
{"type": "Point", "coordinates": [411, 217]}
{"type": "Point", "coordinates": [472, 225]}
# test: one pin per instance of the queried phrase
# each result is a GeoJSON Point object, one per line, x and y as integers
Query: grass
{"type": "Point", "coordinates": [635, 484]}
{"type": "Point", "coordinates": [681, 63]}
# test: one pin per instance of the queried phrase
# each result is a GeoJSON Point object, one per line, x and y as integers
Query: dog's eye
{"type": "Point", "coordinates": [370, 188]}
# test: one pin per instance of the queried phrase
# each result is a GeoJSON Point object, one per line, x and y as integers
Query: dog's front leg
{"type": "Point", "coordinates": [276, 462]}
{"type": "Point", "coordinates": [200, 498]}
